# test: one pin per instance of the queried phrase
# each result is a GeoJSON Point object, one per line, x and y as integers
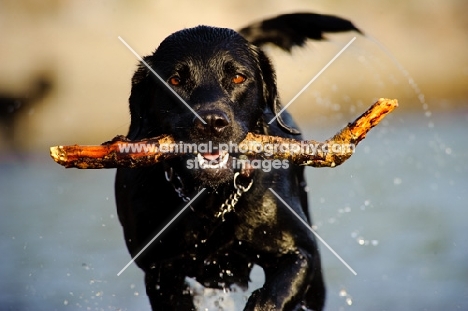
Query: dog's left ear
{"type": "Point", "coordinates": [270, 92]}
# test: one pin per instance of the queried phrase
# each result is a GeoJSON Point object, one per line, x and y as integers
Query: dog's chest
{"type": "Point", "coordinates": [251, 226]}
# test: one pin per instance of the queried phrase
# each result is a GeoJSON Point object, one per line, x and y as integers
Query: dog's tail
{"type": "Point", "coordinates": [289, 30]}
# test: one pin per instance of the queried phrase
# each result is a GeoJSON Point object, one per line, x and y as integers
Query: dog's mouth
{"type": "Point", "coordinates": [213, 160]}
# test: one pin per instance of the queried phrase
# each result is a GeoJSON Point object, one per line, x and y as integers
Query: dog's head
{"type": "Point", "coordinates": [214, 86]}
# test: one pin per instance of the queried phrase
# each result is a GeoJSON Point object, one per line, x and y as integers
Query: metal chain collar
{"type": "Point", "coordinates": [177, 184]}
{"type": "Point", "coordinates": [226, 207]}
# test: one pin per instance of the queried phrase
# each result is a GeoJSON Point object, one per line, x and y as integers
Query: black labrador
{"type": "Point", "coordinates": [223, 86]}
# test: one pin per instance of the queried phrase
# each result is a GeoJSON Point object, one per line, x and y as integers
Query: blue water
{"type": "Point", "coordinates": [396, 212]}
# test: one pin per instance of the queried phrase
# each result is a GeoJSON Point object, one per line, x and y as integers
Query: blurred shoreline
{"type": "Point", "coordinates": [75, 45]}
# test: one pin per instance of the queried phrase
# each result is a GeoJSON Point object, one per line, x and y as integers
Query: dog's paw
{"type": "Point", "coordinates": [259, 301]}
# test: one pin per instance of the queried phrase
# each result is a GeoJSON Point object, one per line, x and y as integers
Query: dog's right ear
{"type": "Point", "coordinates": [142, 94]}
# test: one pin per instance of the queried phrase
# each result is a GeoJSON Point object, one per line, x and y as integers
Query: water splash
{"type": "Point", "coordinates": [420, 95]}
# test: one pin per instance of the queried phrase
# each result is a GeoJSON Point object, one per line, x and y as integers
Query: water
{"type": "Point", "coordinates": [396, 212]}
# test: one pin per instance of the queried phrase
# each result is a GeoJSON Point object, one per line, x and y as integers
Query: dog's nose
{"type": "Point", "coordinates": [216, 122]}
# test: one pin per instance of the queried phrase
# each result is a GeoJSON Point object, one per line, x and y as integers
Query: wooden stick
{"type": "Point", "coordinates": [119, 153]}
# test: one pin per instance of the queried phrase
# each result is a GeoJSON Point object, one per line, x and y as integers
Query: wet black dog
{"type": "Point", "coordinates": [229, 87]}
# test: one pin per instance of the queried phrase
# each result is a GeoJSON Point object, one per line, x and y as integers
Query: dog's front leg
{"type": "Point", "coordinates": [286, 283]}
{"type": "Point", "coordinates": [167, 290]}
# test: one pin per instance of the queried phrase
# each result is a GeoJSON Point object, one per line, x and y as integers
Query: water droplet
{"type": "Point", "coordinates": [343, 293]}
{"type": "Point", "coordinates": [397, 181]}
{"type": "Point", "coordinates": [349, 301]}
{"type": "Point", "coordinates": [375, 242]}
{"type": "Point", "coordinates": [65, 302]}
{"type": "Point", "coordinates": [421, 98]}
{"type": "Point", "coordinates": [448, 150]}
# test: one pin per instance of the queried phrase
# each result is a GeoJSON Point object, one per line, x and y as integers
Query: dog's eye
{"type": "Point", "coordinates": [174, 81]}
{"type": "Point", "coordinates": [238, 79]}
